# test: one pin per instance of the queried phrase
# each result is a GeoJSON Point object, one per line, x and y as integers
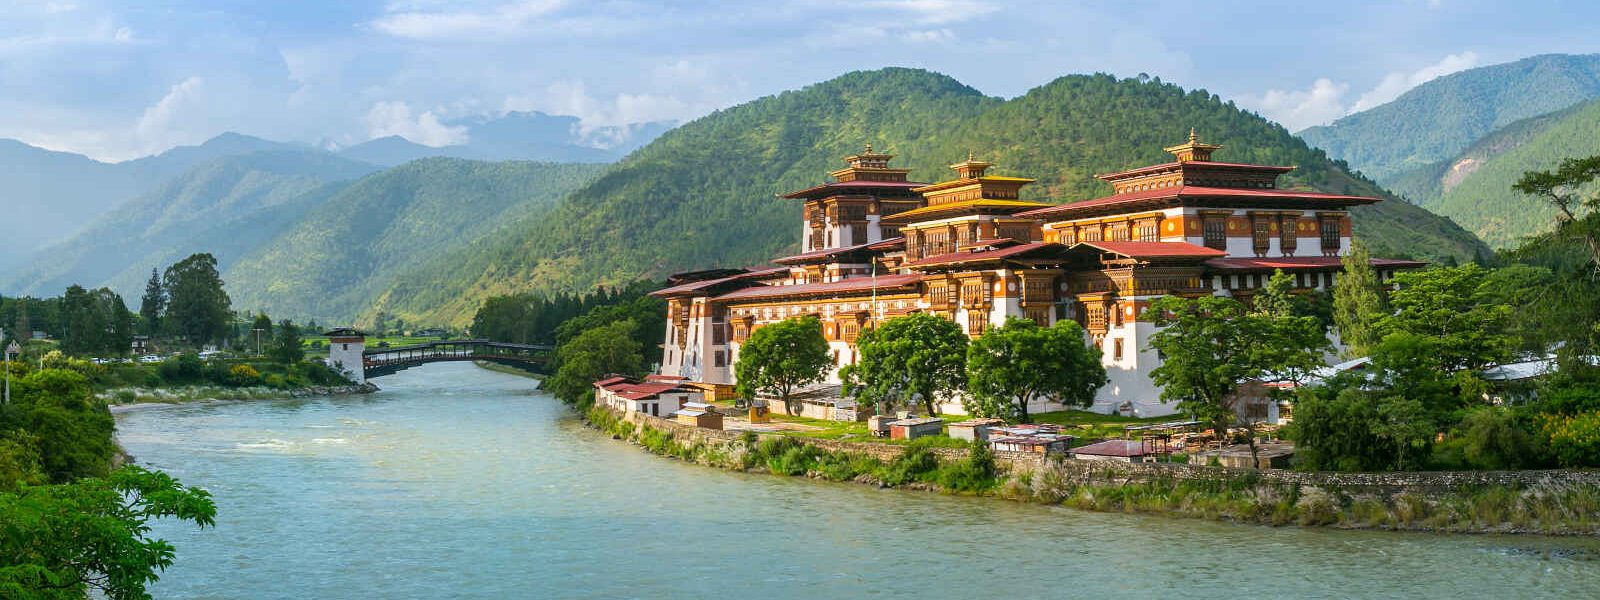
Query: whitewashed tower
{"type": "Point", "coordinates": [345, 349]}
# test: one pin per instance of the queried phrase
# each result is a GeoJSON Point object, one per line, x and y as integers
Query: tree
{"type": "Point", "coordinates": [591, 355]}
{"type": "Point", "coordinates": [1357, 303]}
{"type": "Point", "coordinates": [907, 359]}
{"type": "Point", "coordinates": [287, 348]}
{"type": "Point", "coordinates": [1568, 191]}
{"type": "Point", "coordinates": [63, 540]}
{"type": "Point", "coordinates": [780, 358]}
{"type": "Point", "coordinates": [1404, 424]}
{"type": "Point", "coordinates": [1454, 309]}
{"type": "Point", "coordinates": [153, 304]}
{"type": "Point", "coordinates": [81, 326]}
{"type": "Point", "coordinates": [1277, 297]}
{"type": "Point", "coordinates": [1010, 365]}
{"type": "Point", "coordinates": [1210, 346]}
{"type": "Point", "coordinates": [197, 306]}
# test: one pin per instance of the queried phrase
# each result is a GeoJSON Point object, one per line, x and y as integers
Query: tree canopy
{"type": "Point", "coordinates": [1019, 361]}
{"type": "Point", "coordinates": [908, 359]}
{"type": "Point", "coordinates": [780, 358]}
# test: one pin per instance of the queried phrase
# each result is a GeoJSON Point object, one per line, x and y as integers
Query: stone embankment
{"type": "Point", "coordinates": [1555, 502]}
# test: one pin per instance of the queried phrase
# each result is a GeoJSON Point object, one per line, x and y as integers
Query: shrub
{"type": "Point", "coordinates": [1574, 440]}
{"type": "Point", "coordinates": [1492, 438]}
{"type": "Point", "coordinates": [974, 474]}
{"type": "Point", "coordinates": [243, 375]}
{"type": "Point", "coordinates": [917, 462]}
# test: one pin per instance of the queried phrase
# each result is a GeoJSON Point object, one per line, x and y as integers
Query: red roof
{"type": "Point", "coordinates": [851, 285]}
{"type": "Point", "coordinates": [853, 185]}
{"type": "Point", "coordinates": [609, 381]}
{"type": "Point", "coordinates": [1193, 163]}
{"type": "Point", "coordinates": [1290, 263]}
{"type": "Point", "coordinates": [1154, 249]}
{"type": "Point", "coordinates": [1194, 192]}
{"type": "Point", "coordinates": [1123, 448]}
{"type": "Point", "coordinates": [654, 377]}
{"type": "Point", "coordinates": [638, 391]}
{"type": "Point", "coordinates": [981, 255]}
{"type": "Point", "coordinates": [824, 253]}
{"type": "Point", "coordinates": [697, 286]}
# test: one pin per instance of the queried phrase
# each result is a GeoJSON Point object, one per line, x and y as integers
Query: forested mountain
{"type": "Point", "coordinates": [50, 195]}
{"type": "Point", "coordinates": [346, 253]}
{"type": "Point", "coordinates": [1441, 118]}
{"type": "Point", "coordinates": [1474, 188]}
{"type": "Point", "coordinates": [224, 206]}
{"type": "Point", "coordinates": [702, 194]}
{"type": "Point", "coordinates": [517, 136]}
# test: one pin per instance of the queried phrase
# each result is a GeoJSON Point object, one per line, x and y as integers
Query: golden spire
{"type": "Point", "coordinates": [1194, 149]}
{"type": "Point", "coordinates": [971, 168]}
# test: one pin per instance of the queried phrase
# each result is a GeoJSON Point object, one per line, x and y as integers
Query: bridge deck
{"type": "Point", "coordinates": [377, 362]}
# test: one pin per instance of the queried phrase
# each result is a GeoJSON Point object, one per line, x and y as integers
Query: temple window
{"type": "Point", "coordinates": [858, 233]}
{"type": "Point", "coordinates": [1216, 233]}
{"type": "Point", "coordinates": [1148, 231]}
{"type": "Point", "coordinates": [1330, 237]}
{"type": "Point", "coordinates": [1288, 237]}
{"type": "Point", "coordinates": [1262, 238]}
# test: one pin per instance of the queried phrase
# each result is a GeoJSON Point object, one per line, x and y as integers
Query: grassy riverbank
{"type": "Point", "coordinates": [1549, 508]}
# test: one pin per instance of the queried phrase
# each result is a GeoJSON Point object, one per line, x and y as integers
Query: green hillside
{"type": "Point", "coordinates": [702, 194]}
{"type": "Point", "coordinates": [1439, 119]}
{"type": "Point", "coordinates": [1474, 188]}
{"type": "Point", "coordinates": [344, 253]}
{"type": "Point", "coordinates": [225, 206]}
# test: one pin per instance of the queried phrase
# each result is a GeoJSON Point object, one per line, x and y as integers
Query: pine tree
{"type": "Point", "coordinates": [154, 304]}
{"type": "Point", "coordinates": [1277, 298]}
{"type": "Point", "coordinates": [1357, 303]}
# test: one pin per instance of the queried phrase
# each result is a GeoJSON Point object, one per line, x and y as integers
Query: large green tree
{"type": "Point", "coordinates": [1457, 314]}
{"type": "Point", "coordinates": [1212, 345]}
{"type": "Point", "coordinates": [908, 359]}
{"type": "Point", "coordinates": [62, 541]}
{"type": "Point", "coordinates": [780, 358]}
{"type": "Point", "coordinates": [198, 308]}
{"type": "Point", "coordinates": [1358, 303]}
{"type": "Point", "coordinates": [94, 322]}
{"type": "Point", "coordinates": [1019, 361]}
{"type": "Point", "coordinates": [591, 355]}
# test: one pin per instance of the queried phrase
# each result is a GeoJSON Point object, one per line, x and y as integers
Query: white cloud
{"type": "Point", "coordinates": [163, 125]}
{"type": "Point", "coordinates": [1395, 84]}
{"type": "Point", "coordinates": [1325, 100]}
{"type": "Point", "coordinates": [573, 98]}
{"type": "Point", "coordinates": [504, 20]}
{"type": "Point", "coordinates": [394, 118]}
{"type": "Point", "coordinates": [1298, 109]}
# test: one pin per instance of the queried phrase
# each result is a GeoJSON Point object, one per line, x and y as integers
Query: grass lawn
{"type": "Point", "coordinates": [857, 430]}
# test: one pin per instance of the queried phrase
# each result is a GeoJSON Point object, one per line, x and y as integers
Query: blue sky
{"type": "Point", "coordinates": [116, 80]}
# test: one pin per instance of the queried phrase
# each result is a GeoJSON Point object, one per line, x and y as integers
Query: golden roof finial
{"type": "Point", "coordinates": [969, 155]}
{"type": "Point", "coordinates": [869, 147]}
{"type": "Point", "coordinates": [1194, 149]}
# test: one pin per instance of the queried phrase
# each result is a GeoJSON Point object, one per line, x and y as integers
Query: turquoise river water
{"type": "Point", "coordinates": [457, 482]}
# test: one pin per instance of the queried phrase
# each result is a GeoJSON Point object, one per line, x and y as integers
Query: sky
{"type": "Point", "coordinates": [121, 79]}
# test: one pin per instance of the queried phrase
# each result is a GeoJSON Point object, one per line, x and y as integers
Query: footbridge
{"type": "Point", "coordinates": [348, 352]}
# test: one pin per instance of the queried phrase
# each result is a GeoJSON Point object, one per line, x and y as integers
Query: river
{"type": "Point", "coordinates": [458, 482]}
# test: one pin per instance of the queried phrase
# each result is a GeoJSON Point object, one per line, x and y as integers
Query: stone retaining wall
{"type": "Point", "coordinates": [1086, 471]}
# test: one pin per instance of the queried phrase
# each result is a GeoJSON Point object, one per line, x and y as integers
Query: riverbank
{"type": "Point", "coordinates": [1561, 503]}
{"type": "Point", "coordinates": [122, 399]}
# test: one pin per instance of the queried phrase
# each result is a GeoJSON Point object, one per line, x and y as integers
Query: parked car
{"type": "Point", "coordinates": [150, 358]}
